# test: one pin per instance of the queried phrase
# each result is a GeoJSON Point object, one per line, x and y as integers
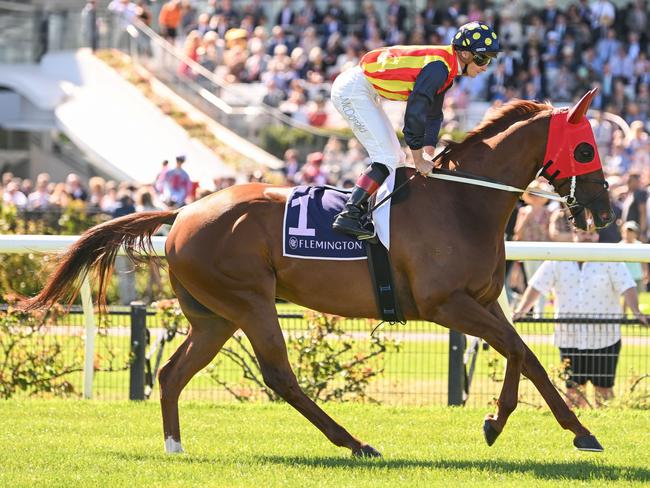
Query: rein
{"type": "Point", "coordinates": [470, 179]}
{"type": "Point", "coordinates": [570, 200]}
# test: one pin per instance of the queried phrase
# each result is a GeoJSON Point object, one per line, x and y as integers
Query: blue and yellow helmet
{"type": "Point", "coordinates": [476, 37]}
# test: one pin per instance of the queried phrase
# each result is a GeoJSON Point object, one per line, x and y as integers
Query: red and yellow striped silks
{"type": "Point", "coordinates": [392, 70]}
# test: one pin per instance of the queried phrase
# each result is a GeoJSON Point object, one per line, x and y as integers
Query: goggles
{"type": "Point", "coordinates": [481, 59]}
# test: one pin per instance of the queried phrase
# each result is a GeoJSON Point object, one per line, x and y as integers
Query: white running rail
{"type": "Point", "coordinates": [520, 251]}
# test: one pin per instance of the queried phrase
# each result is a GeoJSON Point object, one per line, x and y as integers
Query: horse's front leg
{"type": "Point", "coordinates": [461, 312]}
{"type": "Point", "coordinates": [533, 370]}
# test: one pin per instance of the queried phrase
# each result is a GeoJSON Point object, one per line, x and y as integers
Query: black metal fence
{"type": "Point", "coordinates": [431, 365]}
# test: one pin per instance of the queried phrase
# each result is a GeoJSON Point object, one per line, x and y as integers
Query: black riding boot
{"type": "Point", "coordinates": [349, 220]}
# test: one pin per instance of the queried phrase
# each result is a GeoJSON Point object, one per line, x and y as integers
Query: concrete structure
{"type": "Point", "coordinates": [120, 133]}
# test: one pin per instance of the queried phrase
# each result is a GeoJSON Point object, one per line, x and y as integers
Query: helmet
{"type": "Point", "coordinates": [476, 37]}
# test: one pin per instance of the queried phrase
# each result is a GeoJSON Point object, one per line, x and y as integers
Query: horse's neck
{"type": "Point", "coordinates": [512, 158]}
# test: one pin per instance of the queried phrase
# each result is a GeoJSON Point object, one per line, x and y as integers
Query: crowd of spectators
{"type": "Point", "coordinates": [97, 195]}
{"type": "Point", "coordinates": [549, 52]}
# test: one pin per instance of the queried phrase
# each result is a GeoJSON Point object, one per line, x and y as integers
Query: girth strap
{"type": "Point", "coordinates": [383, 282]}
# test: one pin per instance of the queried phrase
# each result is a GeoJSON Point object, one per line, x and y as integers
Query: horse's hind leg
{"type": "Point", "coordinates": [208, 333]}
{"type": "Point", "coordinates": [263, 331]}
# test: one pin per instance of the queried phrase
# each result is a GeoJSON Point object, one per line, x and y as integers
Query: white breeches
{"type": "Point", "coordinates": [359, 104]}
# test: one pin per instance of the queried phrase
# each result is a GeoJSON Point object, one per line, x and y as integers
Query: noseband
{"type": "Point", "coordinates": [571, 201]}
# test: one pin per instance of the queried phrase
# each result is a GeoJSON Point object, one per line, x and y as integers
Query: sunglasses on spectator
{"type": "Point", "coordinates": [481, 59]}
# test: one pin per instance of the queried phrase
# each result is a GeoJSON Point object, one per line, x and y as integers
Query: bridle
{"type": "Point", "coordinates": [570, 200]}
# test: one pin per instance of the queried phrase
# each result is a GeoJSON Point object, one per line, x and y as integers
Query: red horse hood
{"type": "Point", "coordinates": [571, 147]}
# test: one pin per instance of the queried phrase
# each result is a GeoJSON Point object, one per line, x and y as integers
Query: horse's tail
{"type": "Point", "coordinates": [96, 249]}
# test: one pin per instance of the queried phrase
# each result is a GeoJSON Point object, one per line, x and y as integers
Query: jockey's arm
{"type": "Point", "coordinates": [423, 115]}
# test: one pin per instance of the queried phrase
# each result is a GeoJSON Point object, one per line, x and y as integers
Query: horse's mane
{"type": "Point", "coordinates": [499, 120]}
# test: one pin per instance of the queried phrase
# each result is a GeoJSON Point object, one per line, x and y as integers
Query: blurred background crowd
{"type": "Point", "coordinates": [550, 52]}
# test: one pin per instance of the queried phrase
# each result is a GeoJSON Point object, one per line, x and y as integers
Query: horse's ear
{"type": "Point", "coordinates": [580, 108]}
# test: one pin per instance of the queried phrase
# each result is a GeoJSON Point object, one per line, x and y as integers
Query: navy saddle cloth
{"type": "Point", "coordinates": [308, 217]}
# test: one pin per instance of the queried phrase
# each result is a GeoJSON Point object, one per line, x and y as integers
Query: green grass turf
{"type": "Point", "coordinates": [78, 443]}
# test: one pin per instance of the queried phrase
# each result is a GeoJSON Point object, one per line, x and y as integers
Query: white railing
{"type": "Point", "coordinates": [520, 251]}
{"type": "Point", "coordinates": [569, 251]}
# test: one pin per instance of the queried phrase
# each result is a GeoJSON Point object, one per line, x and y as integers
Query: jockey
{"type": "Point", "coordinates": [420, 75]}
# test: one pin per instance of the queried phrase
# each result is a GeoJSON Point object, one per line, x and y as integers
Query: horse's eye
{"type": "Point", "coordinates": [584, 152]}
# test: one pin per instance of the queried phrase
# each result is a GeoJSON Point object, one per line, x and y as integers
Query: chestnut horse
{"type": "Point", "coordinates": [226, 267]}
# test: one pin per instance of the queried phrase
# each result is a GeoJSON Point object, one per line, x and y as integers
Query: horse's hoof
{"type": "Point", "coordinates": [366, 451]}
{"type": "Point", "coordinates": [587, 443]}
{"type": "Point", "coordinates": [490, 431]}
